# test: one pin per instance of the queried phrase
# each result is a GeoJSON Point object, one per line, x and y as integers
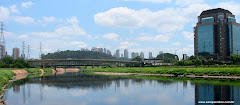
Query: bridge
{"type": "Point", "coordinates": [79, 62]}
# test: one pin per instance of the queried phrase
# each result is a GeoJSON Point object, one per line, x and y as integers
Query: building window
{"type": "Point", "coordinates": [220, 43]}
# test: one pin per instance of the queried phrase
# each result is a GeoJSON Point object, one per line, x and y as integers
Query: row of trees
{"type": "Point", "coordinates": [77, 55]}
{"type": "Point", "coordinates": [8, 62]}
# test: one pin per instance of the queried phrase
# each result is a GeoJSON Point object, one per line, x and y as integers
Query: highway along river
{"type": "Point", "coordinates": [90, 89]}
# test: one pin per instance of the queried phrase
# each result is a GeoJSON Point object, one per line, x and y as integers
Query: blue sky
{"type": "Point", "coordinates": [136, 25]}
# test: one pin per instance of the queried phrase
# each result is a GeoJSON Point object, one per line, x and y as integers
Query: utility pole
{"type": "Point", "coordinates": [23, 48]}
{"type": "Point", "coordinates": [40, 52]}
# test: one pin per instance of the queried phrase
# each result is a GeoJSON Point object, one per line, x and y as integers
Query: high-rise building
{"type": "Point", "coordinates": [94, 49]}
{"type": "Point", "coordinates": [16, 53]}
{"type": "Point", "coordinates": [217, 34]}
{"type": "Point", "coordinates": [108, 52]}
{"type": "Point", "coordinates": [150, 55]}
{"type": "Point", "coordinates": [2, 51]}
{"type": "Point", "coordinates": [118, 53]}
{"type": "Point", "coordinates": [105, 51]}
{"type": "Point", "coordinates": [142, 55]}
{"type": "Point", "coordinates": [121, 55]}
{"type": "Point", "coordinates": [134, 55]}
{"type": "Point", "coordinates": [160, 52]}
{"type": "Point", "coordinates": [125, 53]}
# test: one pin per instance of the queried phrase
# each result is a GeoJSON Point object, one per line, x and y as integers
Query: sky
{"type": "Point", "coordinates": [136, 25]}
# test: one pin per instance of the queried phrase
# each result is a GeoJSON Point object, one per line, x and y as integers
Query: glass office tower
{"type": "Point", "coordinates": [217, 34]}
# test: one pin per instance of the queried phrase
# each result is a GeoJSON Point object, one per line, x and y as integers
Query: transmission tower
{"type": "Point", "coordinates": [2, 42]}
{"type": "Point", "coordinates": [23, 48]}
{"type": "Point", "coordinates": [28, 52]}
{"type": "Point", "coordinates": [40, 52]}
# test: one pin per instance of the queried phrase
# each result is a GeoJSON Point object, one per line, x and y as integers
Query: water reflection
{"type": "Point", "coordinates": [87, 89]}
{"type": "Point", "coordinates": [208, 92]}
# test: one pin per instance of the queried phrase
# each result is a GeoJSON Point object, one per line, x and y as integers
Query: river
{"type": "Point", "coordinates": [90, 89]}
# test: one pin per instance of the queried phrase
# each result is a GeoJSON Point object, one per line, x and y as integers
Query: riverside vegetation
{"type": "Point", "coordinates": [174, 70]}
{"type": "Point", "coordinates": [7, 74]}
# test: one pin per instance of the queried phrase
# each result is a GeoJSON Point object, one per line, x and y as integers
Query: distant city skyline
{"type": "Point", "coordinates": [136, 25]}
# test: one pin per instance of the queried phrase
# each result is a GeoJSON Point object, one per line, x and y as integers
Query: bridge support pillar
{"type": "Point", "coordinates": [43, 65]}
{"type": "Point", "coordinates": [55, 68]}
{"type": "Point", "coordinates": [93, 65]}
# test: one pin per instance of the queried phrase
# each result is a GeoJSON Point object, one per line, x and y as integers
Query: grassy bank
{"type": "Point", "coordinates": [5, 76]}
{"type": "Point", "coordinates": [175, 71]}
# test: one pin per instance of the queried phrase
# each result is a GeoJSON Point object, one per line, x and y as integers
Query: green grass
{"type": "Point", "coordinates": [5, 76]}
{"type": "Point", "coordinates": [175, 71]}
{"type": "Point", "coordinates": [47, 70]}
{"type": "Point", "coordinates": [33, 70]}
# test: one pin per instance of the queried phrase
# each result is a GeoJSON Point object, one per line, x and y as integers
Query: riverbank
{"type": "Point", "coordinates": [6, 75]}
{"type": "Point", "coordinates": [226, 73]}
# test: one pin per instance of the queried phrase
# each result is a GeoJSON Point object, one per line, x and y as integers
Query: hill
{"type": "Point", "coordinates": [77, 55]}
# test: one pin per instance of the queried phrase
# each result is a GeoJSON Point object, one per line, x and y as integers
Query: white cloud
{"type": "Point", "coordinates": [49, 19]}
{"type": "Point", "coordinates": [62, 31]}
{"type": "Point", "coordinates": [23, 20]}
{"type": "Point", "coordinates": [153, 1]}
{"type": "Point", "coordinates": [188, 35]}
{"type": "Point", "coordinates": [176, 43]}
{"type": "Point", "coordinates": [23, 36]}
{"type": "Point", "coordinates": [14, 9]}
{"type": "Point", "coordinates": [188, 2]}
{"type": "Point", "coordinates": [47, 50]}
{"type": "Point", "coordinates": [111, 36]}
{"type": "Point", "coordinates": [165, 21]}
{"type": "Point", "coordinates": [79, 44]}
{"type": "Point", "coordinates": [27, 4]}
{"type": "Point", "coordinates": [73, 20]}
{"type": "Point", "coordinates": [160, 38]}
{"type": "Point", "coordinates": [234, 7]}
{"type": "Point", "coordinates": [193, 11]}
{"type": "Point", "coordinates": [4, 13]}
{"type": "Point", "coordinates": [127, 44]}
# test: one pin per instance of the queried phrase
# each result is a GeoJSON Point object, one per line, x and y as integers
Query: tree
{"type": "Point", "coordinates": [8, 61]}
{"type": "Point", "coordinates": [234, 58]}
{"type": "Point", "coordinates": [197, 62]}
{"type": "Point", "coordinates": [138, 58]}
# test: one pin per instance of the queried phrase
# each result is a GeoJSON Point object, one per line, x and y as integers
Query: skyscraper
{"type": "Point", "coordinates": [134, 55]}
{"type": "Point", "coordinates": [108, 52]}
{"type": "Point", "coordinates": [118, 53]}
{"type": "Point", "coordinates": [125, 53]}
{"type": "Point", "coordinates": [142, 55]}
{"type": "Point", "coordinates": [16, 53]}
{"type": "Point", "coordinates": [150, 55]}
{"type": "Point", "coordinates": [2, 51]}
{"type": "Point", "coordinates": [217, 34]}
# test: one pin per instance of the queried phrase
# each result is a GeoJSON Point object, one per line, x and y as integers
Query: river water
{"type": "Point", "coordinates": [89, 89]}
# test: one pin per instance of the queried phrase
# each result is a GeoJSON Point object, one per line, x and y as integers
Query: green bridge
{"type": "Point", "coordinates": [79, 62]}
